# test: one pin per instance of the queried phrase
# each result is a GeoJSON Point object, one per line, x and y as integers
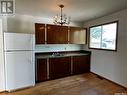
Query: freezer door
{"type": "Point", "coordinates": [20, 70]}
{"type": "Point", "coordinates": [18, 41]}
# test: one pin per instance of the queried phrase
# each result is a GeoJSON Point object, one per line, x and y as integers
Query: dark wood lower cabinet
{"type": "Point", "coordinates": [81, 64]}
{"type": "Point", "coordinates": [41, 70]}
{"type": "Point", "coordinates": [53, 68]}
{"type": "Point", "coordinates": [59, 67]}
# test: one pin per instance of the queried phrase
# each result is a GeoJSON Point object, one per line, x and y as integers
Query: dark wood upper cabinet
{"type": "Point", "coordinates": [77, 35]}
{"type": "Point", "coordinates": [41, 70]}
{"type": "Point", "coordinates": [81, 64]}
{"type": "Point", "coordinates": [57, 34]}
{"type": "Point", "coordinates": [39, 33]}
{"type": "Point", "coordinates": [59, 67]}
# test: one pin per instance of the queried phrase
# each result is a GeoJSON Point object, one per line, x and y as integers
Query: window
{"type": "Point", "coordinates": [104, 36]}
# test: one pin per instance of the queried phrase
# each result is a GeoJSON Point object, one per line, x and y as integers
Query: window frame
{"type": "Point", "coordinates": [116, 42]}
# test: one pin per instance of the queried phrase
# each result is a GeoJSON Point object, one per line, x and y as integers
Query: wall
{"type": "Point", "coordinates": [109, 64]}
{"type": "Point", "coordinates": [2, 80]}
{"type": "Point", "coordinates": [57, 47]}
{"type": "Point", "coordinates": [25, 24]}
{"type": "Point", "coordinates": [4, 22]}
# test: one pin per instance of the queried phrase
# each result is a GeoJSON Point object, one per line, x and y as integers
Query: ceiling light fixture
{"type": "Point", "coordinates": [62, 18]}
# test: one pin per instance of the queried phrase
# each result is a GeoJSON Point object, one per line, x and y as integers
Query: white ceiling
{"type": "Point", "coordinates": [78, 10]}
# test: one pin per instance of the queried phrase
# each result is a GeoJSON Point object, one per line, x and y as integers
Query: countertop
{"type": "Point", "coordinates": [55, 55]}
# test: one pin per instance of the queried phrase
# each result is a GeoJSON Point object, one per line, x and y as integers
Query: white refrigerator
{"type": "Point", "coordinates": [19, 61]}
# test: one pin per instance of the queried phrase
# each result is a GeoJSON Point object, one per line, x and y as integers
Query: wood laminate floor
{"type": "Point", "coordinates": [84, 84]}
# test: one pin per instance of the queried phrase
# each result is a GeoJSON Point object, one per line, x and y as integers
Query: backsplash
{"type": "Point", "coordinates": [58, 47]}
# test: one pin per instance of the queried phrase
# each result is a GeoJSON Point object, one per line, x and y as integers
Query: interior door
{"type": "Point", "coordinates": [20, 69]}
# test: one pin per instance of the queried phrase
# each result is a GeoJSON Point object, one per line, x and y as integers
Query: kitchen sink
{"type": "Point", "coordinates": [57, 54]}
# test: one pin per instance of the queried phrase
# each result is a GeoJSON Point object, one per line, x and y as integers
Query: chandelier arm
{"type": "Point", "coordinates": [62, 19]}
{"type": "Point", "coordinates": [61, 15]}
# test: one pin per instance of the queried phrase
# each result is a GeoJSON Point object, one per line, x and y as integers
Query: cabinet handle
{"type": "Point", "coordinates": [49, 27]}
{"type": "Point", "coordinates": [41, 28]}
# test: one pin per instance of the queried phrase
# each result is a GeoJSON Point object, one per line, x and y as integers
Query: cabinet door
{"type": "Point", "coordinates": [59, 67]}
{"type": "Point", "coordinates": [57, 34]}
{"type": "Point", "coordinates": [81, 64]}
{"type": "Point", "coordinates": [41, 70]}
{"type": "Point", "coordinates": [77, 35]}
{"type": "Point", "coordinates": [40, 33]}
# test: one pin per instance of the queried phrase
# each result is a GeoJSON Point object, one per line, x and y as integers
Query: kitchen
{"type": "Point", "coordinates": [100, 59]}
